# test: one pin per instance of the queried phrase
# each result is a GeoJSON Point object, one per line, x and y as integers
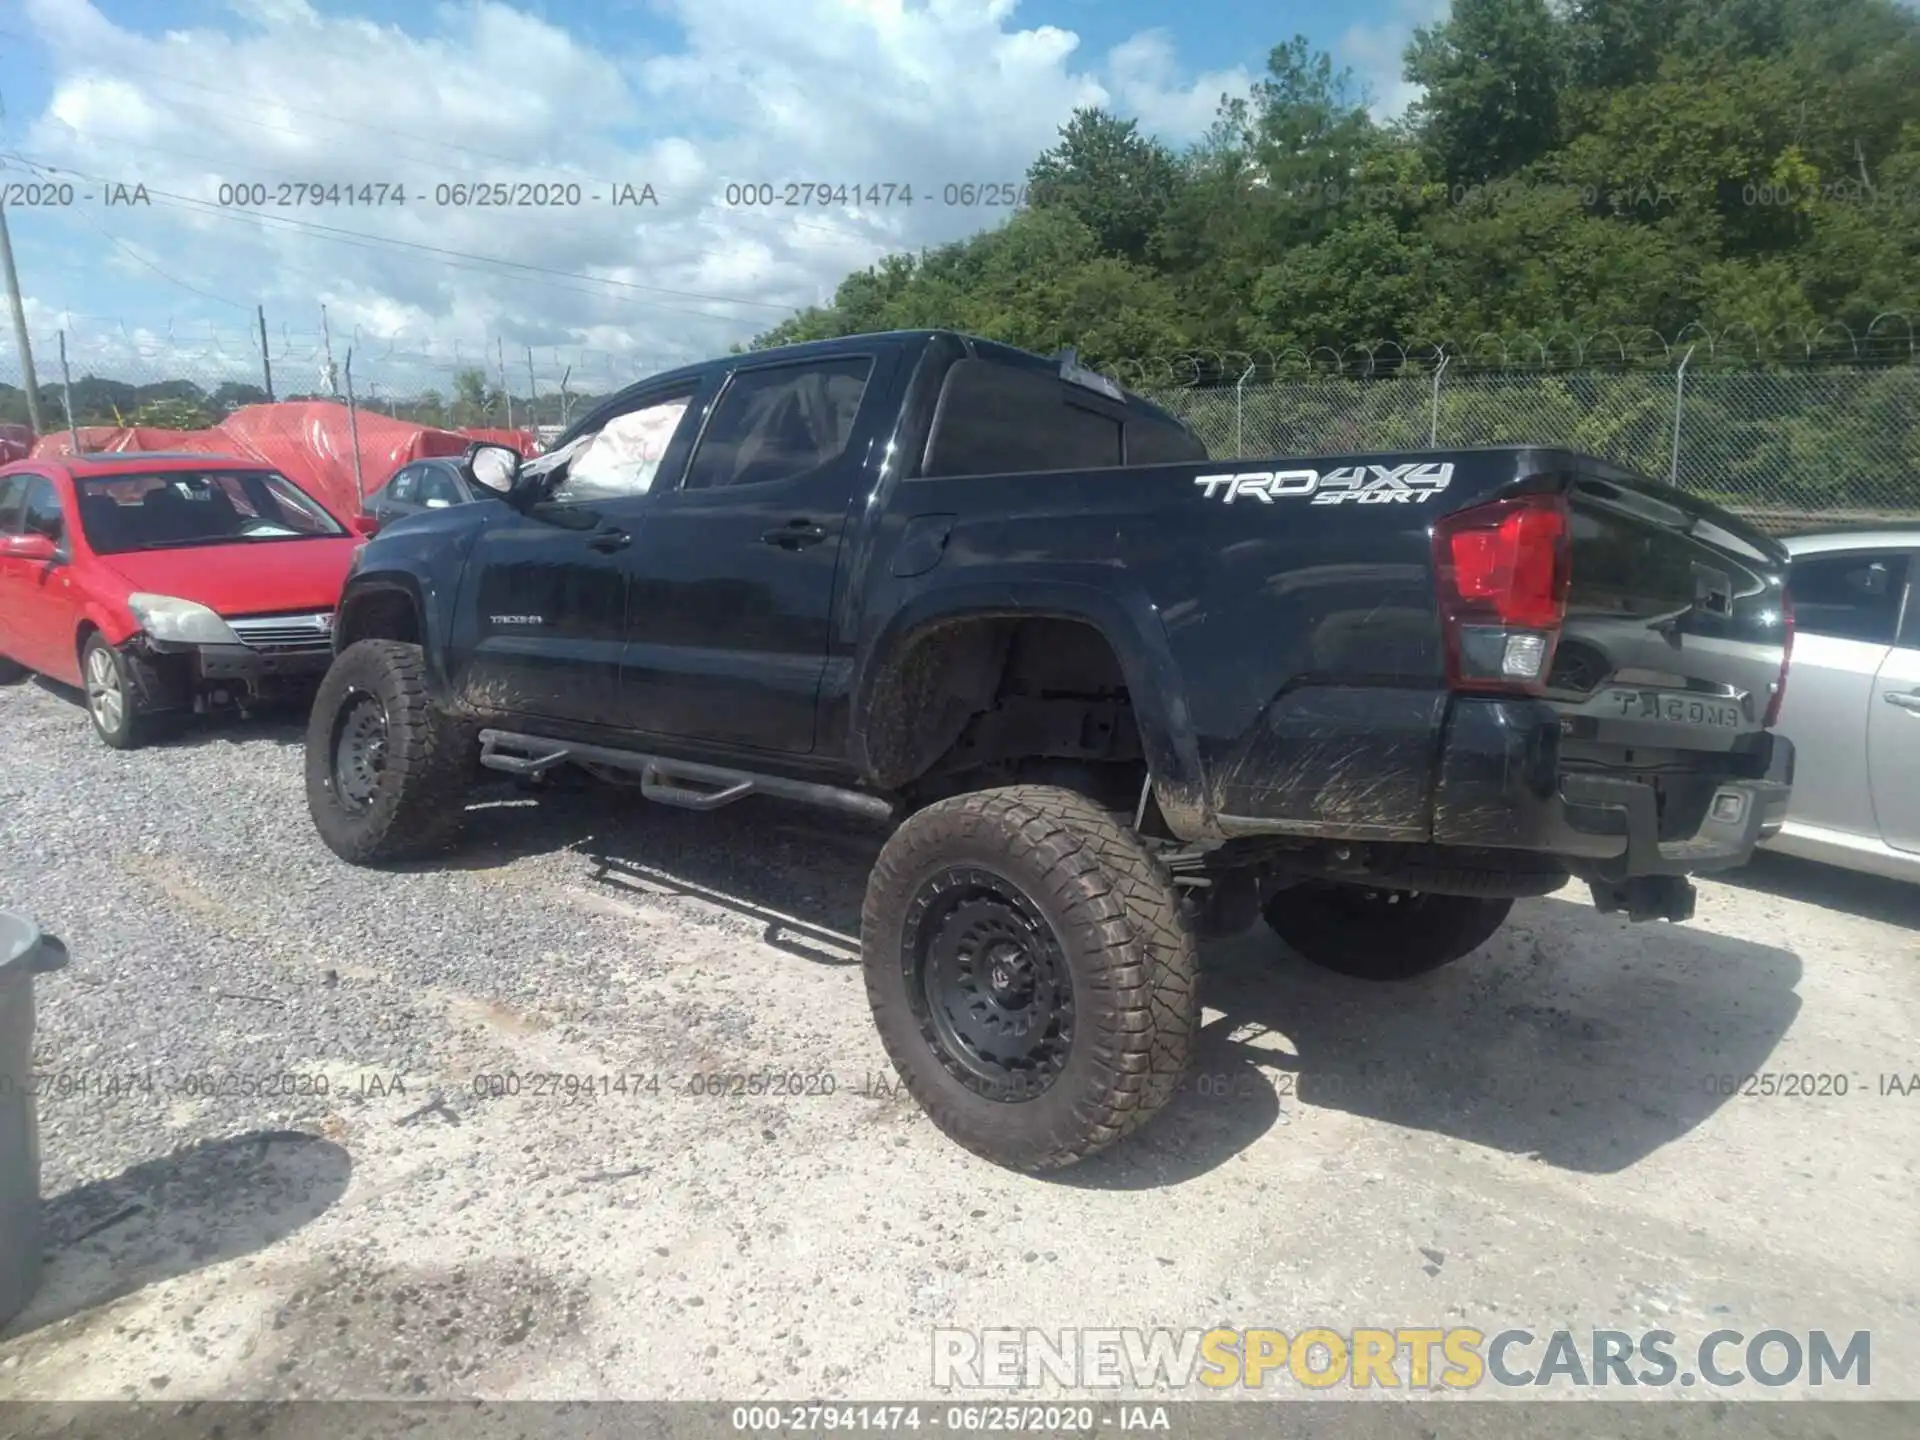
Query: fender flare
{"type": "Point", "coordinates": [395, 582]}
{"type": "Point", "coordinates": [384, 582]}
{"type": "Point", "coordinates": [1127, 619]}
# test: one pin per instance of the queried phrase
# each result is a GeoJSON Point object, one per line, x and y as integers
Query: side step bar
{"type": "Point", "coordinates": [671, 782]}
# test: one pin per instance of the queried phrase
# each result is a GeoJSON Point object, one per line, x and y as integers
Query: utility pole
{"type": "Point", "coordinates": [27, 378]}
{"type": "Point", "coordinates": [326, 338]}
{"type": "Point", "coordinates": [506, 395]}
{"type": "Point", "coordinates": [266, 362]}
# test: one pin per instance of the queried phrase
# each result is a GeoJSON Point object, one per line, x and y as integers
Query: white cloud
{"type": "Point", "coordinates": [1145, 72]}
{"type": "Point", "coordinates": [1376, 53]}
{"type": "Point", "coordinates": [836, 92]}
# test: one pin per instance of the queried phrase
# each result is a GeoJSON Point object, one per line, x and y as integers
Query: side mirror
{"type": "Point", "coordinates": [366, 525]}
{"type": "Point", "coordinates": [493, 467]}
{"type": "Point", "coordinates": [32, 547]}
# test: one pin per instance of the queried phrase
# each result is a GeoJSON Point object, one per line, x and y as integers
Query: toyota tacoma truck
{"type": "Point", "coordinates": [1110, 694]}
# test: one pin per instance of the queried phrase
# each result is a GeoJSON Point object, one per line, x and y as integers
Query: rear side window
{"type": "Point", "coordinates": [1000, 419]}
{"type": "Point", "coordinates": [780, 422]}
{"type": "Point", "coordinates": [400, 488]}
{"type": "Point", "coordinates": [1849, 597]}
{"type": "Point", "coordinates": [13, 499]}
{"type": "Point", "coordinates": [42, 513]}
{"type": "Point", "coordinates": [1153, 442]}
{"type": "Point", "coordinates": [439, 489]}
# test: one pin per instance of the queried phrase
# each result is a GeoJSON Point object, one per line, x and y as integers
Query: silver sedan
{"type": "Point", "coordinates": [1852, 707]}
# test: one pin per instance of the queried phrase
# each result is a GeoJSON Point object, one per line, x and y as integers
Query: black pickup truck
{"type": "Point", "coordinates": [1112, 695]}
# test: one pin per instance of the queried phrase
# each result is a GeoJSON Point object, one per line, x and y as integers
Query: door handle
{"type": "Point", "coordinates": [1905, 699]}
{"type": "Point", "coordinates": [794, 535]}
{"type": "Point", "coordinates": [608, 541]}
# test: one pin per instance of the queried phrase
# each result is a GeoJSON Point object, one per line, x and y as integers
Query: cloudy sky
{"type": "Point", "coordinates": [686, 96]}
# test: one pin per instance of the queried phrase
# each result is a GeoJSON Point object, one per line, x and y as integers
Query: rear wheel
{"type": "Point", "coordinates": [1030, 974]}
{"type": "Point", "coordinates": [387, 772]}
{"type": "Point", "coordinates": [1382, 934]}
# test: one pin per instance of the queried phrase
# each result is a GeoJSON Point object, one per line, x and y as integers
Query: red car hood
{"type": "Point", "coordinates": [248, 578]}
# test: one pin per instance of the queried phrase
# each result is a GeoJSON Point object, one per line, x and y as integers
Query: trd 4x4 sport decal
{"type": "Point", "coordinates": [1411, 484]}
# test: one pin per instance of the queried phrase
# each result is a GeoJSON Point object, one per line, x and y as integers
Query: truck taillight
{"type": "Point", "coordinates": [1503, 571]}
{"type": "Point", "coordinates": [1786, 660]}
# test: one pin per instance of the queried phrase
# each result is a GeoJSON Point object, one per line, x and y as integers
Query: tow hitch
{"type": "Point", "coordinates": [1645, 897]}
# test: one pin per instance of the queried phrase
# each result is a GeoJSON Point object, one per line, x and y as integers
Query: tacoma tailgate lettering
{"type": "Point", "coordinates": [1263, 485]}
{"type": "Point", "coordinates": [1380, 484]}
{"type": "Point", "coordinates": [1413, 483]}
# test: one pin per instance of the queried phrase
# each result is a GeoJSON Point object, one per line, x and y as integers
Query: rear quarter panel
{"type": "Point", "coordinates": [1288, 645]}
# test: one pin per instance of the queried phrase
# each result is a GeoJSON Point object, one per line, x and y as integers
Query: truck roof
{"type": "Point", "coordinates": [977, 346]}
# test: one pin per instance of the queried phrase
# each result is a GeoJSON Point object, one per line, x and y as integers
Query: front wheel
{"type": "Point", "coordinates": [1030, 974]}
{"type": "Point", "coordinates": [387, 771]}
{"type": "Point", "coordinates": [113, 696]}
{"type": "Point", "coordinates": [1382, 934]}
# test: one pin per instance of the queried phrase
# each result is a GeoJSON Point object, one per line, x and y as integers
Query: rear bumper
{"type": "Point", "coordinates": [1500, 784]}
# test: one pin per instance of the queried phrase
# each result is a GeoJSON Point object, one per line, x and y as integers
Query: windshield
{"type": "Point", "coordinates": [181, 508]}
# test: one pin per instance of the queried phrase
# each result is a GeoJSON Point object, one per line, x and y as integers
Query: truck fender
{"type": "Point", "coordinates": [381, 588]}
{"type": "Point", "coordinates": [1122, 613]}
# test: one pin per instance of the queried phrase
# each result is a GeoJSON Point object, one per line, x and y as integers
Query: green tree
{"type": "Point", "coordinates": [1115, 181]}
{"type": "Point", "coordinates": [176, 413]}
{"type": "Point", "coordinates": [474, 401]}
{"type": "Point", "coordinates": [230, 395]}
{"type": "Point", "coordinates": [1573, 166]}
{"type": "Point", "coordinates": [1493, 72]}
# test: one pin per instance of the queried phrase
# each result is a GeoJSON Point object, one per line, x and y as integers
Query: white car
{"type": "Point", "coordinates": [1852, 706]}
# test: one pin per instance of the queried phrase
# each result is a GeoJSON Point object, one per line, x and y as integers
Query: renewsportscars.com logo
{"type": "Point", "coordinates": [1403, 1357]}
{"type": "Point", "coordinates": [1413, 484]}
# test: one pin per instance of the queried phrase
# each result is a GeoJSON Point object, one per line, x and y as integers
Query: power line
{"type": "Point", "coordinates": [127, 249]}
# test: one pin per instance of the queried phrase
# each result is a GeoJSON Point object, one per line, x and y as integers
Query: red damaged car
{"type": "Point", "coordinates": [166, 583]}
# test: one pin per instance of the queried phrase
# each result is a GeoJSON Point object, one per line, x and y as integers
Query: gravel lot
{"type": "Point", "coordinates": [1529, 1138]}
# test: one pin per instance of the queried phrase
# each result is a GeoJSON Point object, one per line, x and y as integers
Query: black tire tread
{"type": "Point", "coordinates": [1123, 906]}
{"type": "Point", "coordinates": [428, 754]}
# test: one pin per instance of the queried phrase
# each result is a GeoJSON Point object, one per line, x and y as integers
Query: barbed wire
{"type": "Point", "coordinates": [1888, 338]}
{"type": "Point", "coordinates": [1739, 423]}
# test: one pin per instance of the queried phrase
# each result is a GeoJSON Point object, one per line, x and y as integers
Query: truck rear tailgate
{"type": "Point", "coordinates": [1677, 624]}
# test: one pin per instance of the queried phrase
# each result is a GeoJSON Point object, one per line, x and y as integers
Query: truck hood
{"type": "Point", "coordinates": [248, 578]}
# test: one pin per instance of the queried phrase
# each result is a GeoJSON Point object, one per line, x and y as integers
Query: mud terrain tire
{"type": "Point", "coordinates": [1030, 974]}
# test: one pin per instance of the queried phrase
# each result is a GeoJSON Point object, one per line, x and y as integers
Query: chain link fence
{"type": "Point", "coordinates": [1835, 443]}
{"type": "Point", "coordinates": [114, 378]}
{"type": "Point", "coordinates": [1832, 438]}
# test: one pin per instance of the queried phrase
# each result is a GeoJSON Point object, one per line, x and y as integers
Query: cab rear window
{"type": "Point", "coordinates": [998, 419]}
